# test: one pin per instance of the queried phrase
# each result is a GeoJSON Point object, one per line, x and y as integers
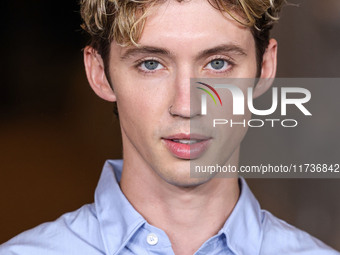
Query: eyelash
{"type": "Point", "coordinates": [227, 60]}
{"type": "Point", "coordinates": [141, 61]}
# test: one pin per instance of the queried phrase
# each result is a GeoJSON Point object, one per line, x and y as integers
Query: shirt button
{"type": "Point", "coordinates": [152, 239]}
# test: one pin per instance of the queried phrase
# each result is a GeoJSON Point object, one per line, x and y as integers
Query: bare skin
{"type": "Point", "coordinates": [156, 182]}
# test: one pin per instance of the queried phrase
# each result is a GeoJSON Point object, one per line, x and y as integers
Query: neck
{"type": "Point", "coordinates": [182, 212]}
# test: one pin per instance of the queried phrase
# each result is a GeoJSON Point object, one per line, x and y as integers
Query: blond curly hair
{"type": "Point", "coordinates": [123, 20]}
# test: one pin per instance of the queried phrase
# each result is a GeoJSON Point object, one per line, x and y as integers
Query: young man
{"type": "Point", "coordinates": [142, 56]}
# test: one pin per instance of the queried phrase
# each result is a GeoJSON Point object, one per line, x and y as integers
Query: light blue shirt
{"type": "Point", "coordinates": [112, 226]}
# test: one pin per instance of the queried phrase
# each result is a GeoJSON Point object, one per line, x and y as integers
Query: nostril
{"type": "Point", "coordinates": [182, 111]}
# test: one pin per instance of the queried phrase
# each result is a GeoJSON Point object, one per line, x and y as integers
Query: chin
{"type": "Point", "coordinates": [185, 181]}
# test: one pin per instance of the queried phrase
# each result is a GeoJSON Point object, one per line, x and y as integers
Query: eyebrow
{"type": "Point", "coordinates": [224, 48]}
{"type": "Point", "coordinates": [144, 50]}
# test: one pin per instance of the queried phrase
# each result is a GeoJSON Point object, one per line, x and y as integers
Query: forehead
{"type": "Point", "coordinates": [194, 24]}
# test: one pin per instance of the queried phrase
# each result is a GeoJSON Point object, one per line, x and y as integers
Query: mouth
{"type": "Point", "coordinates": [186, 146]}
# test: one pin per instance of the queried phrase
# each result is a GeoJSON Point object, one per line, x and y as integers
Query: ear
{"type": "Point", "coordinates": [268, 70]}
{"type": "Point", "coordinates": [95, 73]}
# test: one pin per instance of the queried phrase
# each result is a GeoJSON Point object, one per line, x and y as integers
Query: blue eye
{"type": "Point", "coordinates": [151, 65]}
{"type": "Point", "coordinates": [217, 64]}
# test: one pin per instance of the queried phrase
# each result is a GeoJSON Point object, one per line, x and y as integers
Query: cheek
{"type": "Point", "coordinates": [141, 102]}
{"type": "Point", "coordinates": [134, 107]}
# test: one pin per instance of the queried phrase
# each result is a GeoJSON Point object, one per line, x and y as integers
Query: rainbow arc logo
{"type": "Point", "coordinates": [209, 93]}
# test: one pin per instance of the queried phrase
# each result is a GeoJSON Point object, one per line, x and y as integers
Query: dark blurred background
{"type": "Point", "coordinates": [55, 134]}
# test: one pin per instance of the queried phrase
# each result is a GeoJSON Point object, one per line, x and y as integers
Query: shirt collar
{"type": "Point", "coordinates": [119, 221]}
{"type": "Point", "coordinates": [117, 218]}
{"type": "Point", "coordinates": [243, 228]}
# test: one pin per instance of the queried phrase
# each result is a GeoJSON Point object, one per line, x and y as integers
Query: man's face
{"type": "Point", "coordinates": [179, 41]}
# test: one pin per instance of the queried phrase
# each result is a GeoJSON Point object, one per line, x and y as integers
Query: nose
{"type": "Point", "coordinates": [182, 105]}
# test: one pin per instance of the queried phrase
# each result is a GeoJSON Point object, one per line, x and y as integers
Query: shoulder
{"type": "Point", "coordinates": [279, 237]}
{"type": "Point", "coordinates": [69, 234]}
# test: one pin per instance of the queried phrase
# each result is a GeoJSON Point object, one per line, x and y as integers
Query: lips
{"type": "Point", "coordinates": [185, 146]}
